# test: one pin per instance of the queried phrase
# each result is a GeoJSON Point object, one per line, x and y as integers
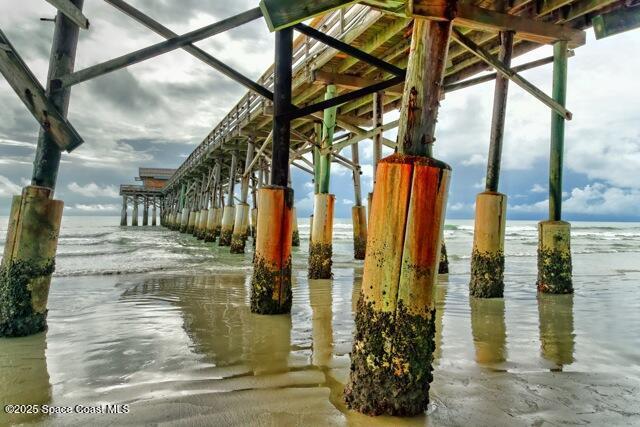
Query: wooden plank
{"type": "Point", "coordinates": [439, 10]}
{"type": "Point", "coordinates": [72, 12]}
{"type": "Point", "coordinates": [477, 18]}
{"type": "Point", "coordinates": [33, 95]}
{"type": "Point", "coordinates": [348, 81]}
{"type": "Point", "coordinates": [281, 14]}
{"type": "Point", "coordinates": [510, 74]}
{"type": "Point", "coordinates": [616, 22]}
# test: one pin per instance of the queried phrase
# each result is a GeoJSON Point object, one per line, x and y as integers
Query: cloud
{"type": "Point", "coordinates": [94, 190]}
{"type": "Point", "coordinates": [537, 188]}
{"type": "Point", "coordinates": [347, 202]}
{"type": "Point", "coordinates": [8, 188]}
{"type": "Point", "coordinates": [475, 159]}
{"type": "Point", "coordinates": [593, 199]}
{"type": "Point", "coordinates": [95, 208]}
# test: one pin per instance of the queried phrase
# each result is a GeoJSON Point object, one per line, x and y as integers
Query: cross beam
{"type": "Point", "coordinates": [157, 49]}
{"type": "Point", "coordinates": [158, 28]}
{"type": "Point", "coordinates": [34, 97]}
{"type": "Point", "coordinates": [72, 12]}
{"type": "Point", "coordinates": [509, 73]}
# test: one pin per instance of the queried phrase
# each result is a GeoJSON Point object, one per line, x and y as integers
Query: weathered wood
{"type": "Point", "coordinates": [193, 50]}
{"type": "Point", "coordinates": [157, 49]}
{"type": "Point", "coordinates": [423, 87]}
{"type": "Point", "coordinates": [328, 129]}
{"type": "Point", "coordinates": [50, 111]}
{"type": "Point", "coordinates": [442, 10]}
{"type": "Point", "coordinates": [557, 132]}
{"type": "Point", "coordinates": [232, 178]}
{"type": "Point", "coordinates": [345, 81]}
{"type": "Point", "coordinates": [378, 120]}
{"type": "Point", "coordinates": [616, 22]}
{"type": "Point", "coordinates": [477, 18]}
{"type": "Point", "coordinates": [371, 134]}
{"type": "Point", "coordinates": [357, 191]}
{"type": "Point", "coordinates": [320, 247]}
{"type": "Point", "coordinates": [498, 116]}
{"type": "Point", "coordinates": [280, 14]}
{"type": "Point", "coordinates": [510, 74]}
{"type": "Point", "coordinates": [123, 212]}
{"type": "Point", "coordinates": [72, 12]}
{"type": "Point", "coordinates": [282, 105]}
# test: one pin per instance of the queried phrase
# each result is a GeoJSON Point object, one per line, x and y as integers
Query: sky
{"type": "Point", "coordinates": [153, 114]}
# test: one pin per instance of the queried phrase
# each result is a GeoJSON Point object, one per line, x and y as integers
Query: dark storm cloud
{"type": "Point", "coordinates": [124, 91]}
{"type": "Point", "coordinates": [31, 38]}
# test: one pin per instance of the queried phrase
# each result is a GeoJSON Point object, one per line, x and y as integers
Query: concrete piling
{"type": "Point", "coordinates": [202, 224]}
{"type": "Point", "coordinates": [184, 219]}
{"type": "Point", "coordinates": [240, 228]}
{"type": "Point", "coordinates": [295, 236]}
{"type": "Point", "coordinates": [320, 247]}
{"type": "Point", "coordinates": [554, 257]}
{"type": "Point", "coordinates": [487, 258]}
{"type": "Point", "coordinates": [134, 214]}
{"type": "Point", "coordinates": [210, 230]}
{"type": "Point", "coordinates": [226, 227]}
{"type": "Point", "coordinates": [191, 222]}
{"type": "Point", "coordinates": [29, 261]}
{"type": "Point", "coordinates": [359, 218]}
{"type": "Point", "coordinates": [271, 282]}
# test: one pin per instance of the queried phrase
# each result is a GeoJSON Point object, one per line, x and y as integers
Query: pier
{"type": "Point", "coordinates": [339, 67]}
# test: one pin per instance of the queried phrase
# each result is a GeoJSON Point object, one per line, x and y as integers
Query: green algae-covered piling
{"type": "Point", "coordinates": [554, 236]}
{"type": "Point", "coordinates": [487, 258]}
{"type": "Point", "coordinates": [391, 358]}
{"type": "Point", "coordinates": [28, 261]}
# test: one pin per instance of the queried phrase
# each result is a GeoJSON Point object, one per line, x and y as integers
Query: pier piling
{"type": "Point", "coordinates": [487, 258]}
{"type": "Point", "coordinates": [229, 212]}
{"type": "Point", "coordinates": [554, 235]}
{"type": "Point", "coordinates": [123, 212]}
{"type": "Point", "coordinates": [271, 281]}
{"type": "Point", "coordinates": [145, 211]}
{"type": "Point", "coordinates": [358, 212]}
{"type": "Point", "coordinates": [241, 224]}
{"type": "Point", "coordinates": [134, 214]}
{"type": "Point", "coordinates": [395, 320]}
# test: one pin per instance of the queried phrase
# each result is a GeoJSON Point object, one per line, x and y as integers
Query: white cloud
{"type": "Point", "coordinates": [480, 184]}
{"type": "Point", "coordinates": [347, 202]}
{"type": "Point", "coordinates": [8, 188]}
{"type": "Point", "coordinates": [537, 188]}
{"type": "Point", "coordinates": [593, 199]}
{"type": "Point", "coordinates": [96, 208]}
{"type": "Point", "coordinates": [94, 190]}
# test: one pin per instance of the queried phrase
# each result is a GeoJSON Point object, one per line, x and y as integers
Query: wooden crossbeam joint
{"type": "Point", "coordinates": [72, 12]}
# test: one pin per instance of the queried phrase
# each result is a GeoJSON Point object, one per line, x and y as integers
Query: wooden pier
{"type": "Point", "coordinates": [328, 90]}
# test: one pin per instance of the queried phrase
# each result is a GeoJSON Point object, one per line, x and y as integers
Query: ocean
{"type": "Point", "coordinates": [160, 321]}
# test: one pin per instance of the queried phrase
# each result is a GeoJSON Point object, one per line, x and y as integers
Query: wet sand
{"type": "Point", "coordinates": [185, 350]}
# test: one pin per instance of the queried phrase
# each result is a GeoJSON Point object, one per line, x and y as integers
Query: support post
{"type": "Point", "coordinates": [320, 246]}
{"type": "Point", "coordinates": [554, 235]}
{"type": "Point", "coordinates": [229, 213]}
{"type": "Point", "coordinates": [153, 212]}
{"type": "Point", "coordinates": [134, 214]}
{"type": "Point", "coordinates": [395, 319]}
{"type": "Point", "coordinates": [145, 210]}
{"type": "Point", "coordinates": [358, 212]}
{"type": "Point", "coordinates": [123, 212]}
{"type": "Point", "coordinates": [487, 258]}
{"type": "Point", "coordinates": [212, 218]}
{"type": "Point", "coordinates": [34, 225]}
{"type": "Point", "coordinates": [241, 226]}
{"type": "Point", "coordinates": [271, 282]}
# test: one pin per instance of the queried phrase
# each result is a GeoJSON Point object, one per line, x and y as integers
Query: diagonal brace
{"type": "Point", "coordinates": [157, 49]}
{"type": "Point", "coordinates": [509, 73]}
{"type": "Point", "coordinates": [158, 28]}
{"type": "Point", "coordinates": [350, 50]}
{"type": "Point", "coordinates": [72, 12]}
{"type": "Point", "coordinates": [34, 97]}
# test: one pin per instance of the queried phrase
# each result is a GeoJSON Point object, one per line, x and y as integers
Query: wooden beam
{"type": "Point", "coordinates": [33, 95]}
{"type": "Point", "coordinates": [510, 74]}
{"type": "Point", "coordinates": [72, 12]}
{"type": "Point", "coordinates": [336, 148]}
{"type": "Point", "coordinates": [616, 22]}
{"type": "Point", "coordinates": [281, 14]}
{"type": "Point", "coordinates": [157, 49]}
{"type": "Point", "coordinates": [347, 81]}
{"type": "Point", "coordinates": [477, 18]}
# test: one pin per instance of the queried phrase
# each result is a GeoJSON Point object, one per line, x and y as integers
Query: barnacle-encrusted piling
{"type": "Point", "coordinates": [240, 228]}
{"type": "Point", "coordinates": [210, 228]}
{"type": "Point", "coordinates": [271, 282]}
{"type": "Point", "coordinates": [202, 224]}
{"type": "Point", "coordinates": [191, 222]}
{"type": "Point", "coordinates": [28, 261]}
{"type": "Point", "coordinates": [487, 258]}
{"type": "Point", "coordinates": [320, 247]}
{"type": "Point", "coordinates": [395, 322]}
{"type": "Point", "coordinates": [184, 219]}
{"type": "Point", "coordinates": [226, 227]}
{"type": "Point", "coordinates": [295, 235]}
{"type": "Point", "coordinates": [554, 257]}
{"type": "Point", "coordinates": [359, 217]}
{"type": "Point", "coordinates": [443, 264]}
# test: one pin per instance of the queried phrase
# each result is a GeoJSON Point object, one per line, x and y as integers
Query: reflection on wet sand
{"type": "Point", "coordinates": [489, 330]}
{"type": "Point", "coordinates": [321, 321]}
{"type": "Point", "coordinates": [556, 328]}
{"type": "Point", "coordinates": [24, 378]}
{"type": "Point", "coordinates": [440, 298]}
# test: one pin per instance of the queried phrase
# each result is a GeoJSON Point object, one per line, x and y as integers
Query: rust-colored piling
{"type": "Point", "coordinates": [320, 247]}
{"type": "Point", "coordinates": [359, 217]}
{"type": "Point", "coordinates": [240, 229]}
{"type": "Point", "coordinates": [554, 257]}
{"type": "Point", "coordinates": [226, 227]}
{"type": "Point", "coordinates": [395, 321]}
{"type": "Point", "coordinates": [487, 258]}
{"type": "Point", "coordinates": [29, 261]}
{"type": "Point", "coordinates": [271, 282]}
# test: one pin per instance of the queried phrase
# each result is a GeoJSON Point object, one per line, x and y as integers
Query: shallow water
{"type": "Point", "coordinates": [179, 345]}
